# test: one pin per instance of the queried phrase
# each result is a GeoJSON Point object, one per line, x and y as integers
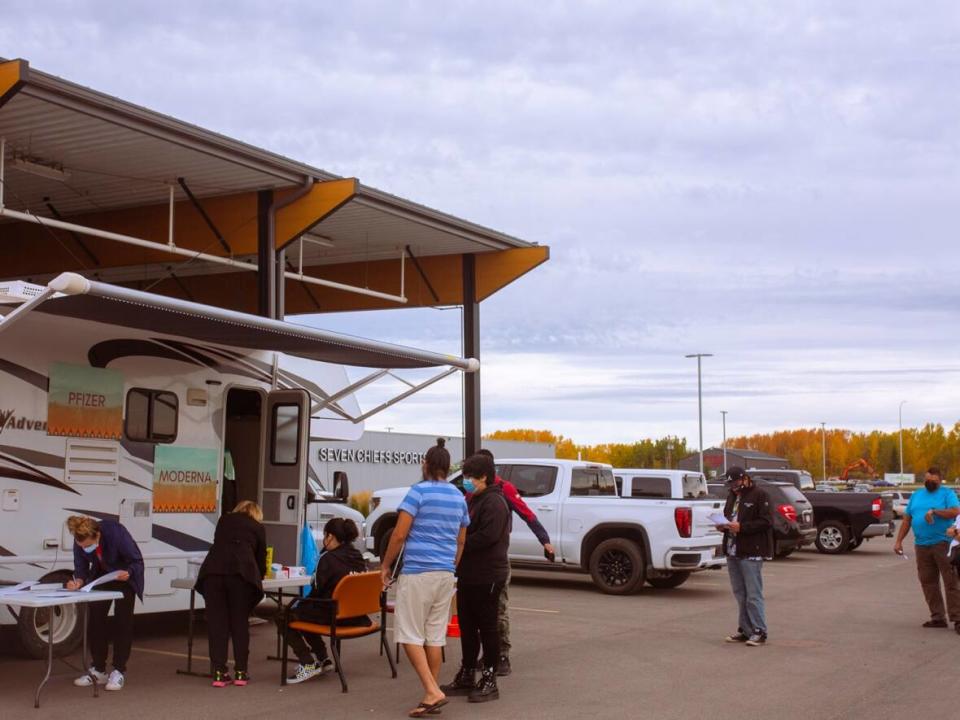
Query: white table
{"type": "Point", "coordinates": [272, 587]}
{"type": "Point", "coordinates": [51, 598]}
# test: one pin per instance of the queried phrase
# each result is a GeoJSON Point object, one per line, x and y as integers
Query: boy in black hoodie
{"type": "Point", "coordinates": [340, 558]}
{"type": "Point", "coordinates": [481, 574]}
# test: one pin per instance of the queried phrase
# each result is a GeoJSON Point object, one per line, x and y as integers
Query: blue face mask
{"type": "Point", "coordinates": [469, 486]}
{"type": "Point", "coordinates": [91, 548]}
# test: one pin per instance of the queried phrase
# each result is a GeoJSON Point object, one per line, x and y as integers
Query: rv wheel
{"type": "Point", "coordinates": [35, 625]}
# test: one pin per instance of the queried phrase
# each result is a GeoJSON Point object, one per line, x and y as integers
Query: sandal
{"type": "Point", "coordinates": [427, 709]}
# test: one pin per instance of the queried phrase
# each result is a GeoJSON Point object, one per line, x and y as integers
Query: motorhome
{"type": "Point", "coordinates": [162, 414]}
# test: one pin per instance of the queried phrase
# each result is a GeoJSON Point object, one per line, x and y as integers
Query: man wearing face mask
{"type": "Point", "coordinates": [930, 513]}
{"type": "Point", "coordinates": [747, 541]}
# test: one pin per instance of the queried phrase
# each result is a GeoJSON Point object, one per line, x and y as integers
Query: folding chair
{"type": "Point", "coordinates": [355, 595]}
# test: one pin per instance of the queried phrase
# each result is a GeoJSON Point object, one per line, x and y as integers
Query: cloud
{"type": "Point", "coordinates": [772, 182]}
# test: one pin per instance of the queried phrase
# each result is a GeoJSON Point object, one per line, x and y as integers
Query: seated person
{"type": "Point", "coordinates": [340, 558]}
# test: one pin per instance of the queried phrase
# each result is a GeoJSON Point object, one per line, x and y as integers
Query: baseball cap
{"type": "Point", "coordinates": [735, 473]}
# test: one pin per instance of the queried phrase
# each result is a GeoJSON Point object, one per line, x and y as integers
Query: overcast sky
{"type": "Point", "coordinates": [775, 183]}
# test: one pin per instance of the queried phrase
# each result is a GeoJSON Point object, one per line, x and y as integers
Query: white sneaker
{"type": "Point", "coordinates": [85, 681]}
{"type": "Point", "coordinates": [115, 682]}
{"type": "Point", "coordinates": [304, 673]}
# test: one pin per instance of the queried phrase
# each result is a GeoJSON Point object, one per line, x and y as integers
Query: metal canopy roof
{"type": "Point", "coordinates": [117, 155]}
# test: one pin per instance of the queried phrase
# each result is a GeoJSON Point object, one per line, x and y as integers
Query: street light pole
{"type": "Point", "coordinates": [724, 413]}
{"type": "Point", "coordinates": [900, 413]}
{"type": "Point", "coordinates": [823, 441]}
{"type": "Point", "coordinates": [699, 357]}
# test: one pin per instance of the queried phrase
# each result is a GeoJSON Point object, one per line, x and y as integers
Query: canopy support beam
{"type": "Point", "coordinates": [471, 348]}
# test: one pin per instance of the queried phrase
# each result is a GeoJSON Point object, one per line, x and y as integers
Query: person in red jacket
{"type": "Point", "coordinates": [518, 506]}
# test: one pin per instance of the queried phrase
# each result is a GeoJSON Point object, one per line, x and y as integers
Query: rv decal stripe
{"type": "Point", "coordinates": [128, 481]}
{"type": "Point", "coordinates": [25, 374]}
{"type": "Point", "coordinates": [103, 353]}
{"type": "Point", "coordinates": [31, 475]}
{"type": "Point", "coordinates": [6, 553]}
{"type": "Point", "coordinates": [35, 456]}
{"type": "Point", "coordinates": [174, 538]}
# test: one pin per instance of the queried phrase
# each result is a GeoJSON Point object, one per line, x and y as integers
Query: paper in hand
{"type": "Point", "coordinates": [718, 518]}
{"type": "Point", "coordinates": [109, 577]}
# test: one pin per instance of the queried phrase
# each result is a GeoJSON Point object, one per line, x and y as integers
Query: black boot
{"type": "Point", "coordinates": [463, 684]}
{"type": "Point", "coordinates": [503, 669]}
{"type": "Point", "coordinates": [486, 689]}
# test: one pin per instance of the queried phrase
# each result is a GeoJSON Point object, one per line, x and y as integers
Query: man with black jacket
{"type": "Point", "coordinates": [481, 575]}
{"type": "Point", "coordinates": [747, 541]}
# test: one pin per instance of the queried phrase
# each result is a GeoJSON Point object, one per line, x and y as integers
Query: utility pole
{"type": "Point", "coordinates": [900, 413]}
{"type": "Point", "coordinates": [669, 454]}
{"type": "Point", "coordinates": [724, 413]}
{"type": "Point", "coordinates": [699, 357]}
{"type": "Point", "coordinates": [823, 442]}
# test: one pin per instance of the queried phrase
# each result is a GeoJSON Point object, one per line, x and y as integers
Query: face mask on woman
{"type": "Point", "coordinates": [469, 485]}
{"type": "Point", "coordinates": [91, 548]}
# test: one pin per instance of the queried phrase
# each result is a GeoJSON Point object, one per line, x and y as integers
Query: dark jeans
{"type": "Point", "coordinates": [309, 647]}
{"type": "Point", "coordinates": [229, 600]}
{"type": "Point", "coordinates": [120, 631]}
{"type": "Point", "coordinates": [477, 611]}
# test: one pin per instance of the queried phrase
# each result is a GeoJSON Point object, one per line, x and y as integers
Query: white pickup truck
{"type": "Point", "coordinates": [620, 541]}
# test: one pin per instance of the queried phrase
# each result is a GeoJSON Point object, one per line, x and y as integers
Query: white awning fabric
{"type": "Point", "coordinates": [78, 297]}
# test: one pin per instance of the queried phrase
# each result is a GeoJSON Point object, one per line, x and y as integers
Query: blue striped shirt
{"type": "Point", "coordinates": [439, 510]}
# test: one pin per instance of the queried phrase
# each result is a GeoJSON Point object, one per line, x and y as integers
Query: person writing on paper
{"type": "Point", "coordinates": [929, 514]}
{"type": "Point", "coordinates": [231, 582]}
{"type": "Point", "coordinates": [747, 541]}
{"type": "Point", "coordinates": [340, 558]}
{"type": "Point", "coordinates": [102, 547]}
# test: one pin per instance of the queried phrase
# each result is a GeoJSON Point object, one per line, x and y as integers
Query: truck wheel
{"type": "Point", "coordinates": [617, 566]}
{"type": "Point", "coordinates": [833, 537]}
{"type": "Point", "coordinates": [35, 624]}
{"type": "Point", "coordinates": [672, 580]}
{"type": "Point", "coordinates": [384, 542]}
{"type": "Point", "coordinates": [781, 554]}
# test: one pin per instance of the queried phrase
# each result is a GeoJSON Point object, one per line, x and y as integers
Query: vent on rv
{"type": "Point", "coordinates": [93, 461]}
{"type": "Point", "coordinates": [19, 291]}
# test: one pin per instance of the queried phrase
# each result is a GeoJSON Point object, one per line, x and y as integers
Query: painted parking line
{"type": "Point", "coordinates": [168, 653]}
{"type": "Point", "coordinates": [535, 610]}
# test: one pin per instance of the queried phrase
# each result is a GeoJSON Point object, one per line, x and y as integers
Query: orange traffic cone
{"type": "Point", "coordinates": [453, 627]}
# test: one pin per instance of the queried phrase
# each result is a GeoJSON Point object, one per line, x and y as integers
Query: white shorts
{"type": "Point", "coordinates": [423, 608]}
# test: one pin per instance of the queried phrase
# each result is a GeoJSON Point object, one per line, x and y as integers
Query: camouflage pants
{"type": "Point", "coordinates": [503, 618]}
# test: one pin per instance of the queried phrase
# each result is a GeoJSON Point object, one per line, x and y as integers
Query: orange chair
{"type": "Point", "coordinates": [355, 595]}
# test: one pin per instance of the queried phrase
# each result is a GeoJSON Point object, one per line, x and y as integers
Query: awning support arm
{"type": "Point", "coordinates": [404, 395]}
{"type": "Point", "coordinates": [349, 390]}
{"type": "Point", "coordinates": [21, 310]}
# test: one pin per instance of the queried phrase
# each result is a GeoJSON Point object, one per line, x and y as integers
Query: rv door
{"type": "Point", "coordinates": [285, 472]}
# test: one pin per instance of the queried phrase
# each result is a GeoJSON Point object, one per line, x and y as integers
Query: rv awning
{"type": "Point", "coordinates": [74, 296]}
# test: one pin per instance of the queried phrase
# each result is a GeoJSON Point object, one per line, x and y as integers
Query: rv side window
{"type": "Point", "coordinates": [151, 416]}
{"type": "Point", "coordinates": [285, 443]}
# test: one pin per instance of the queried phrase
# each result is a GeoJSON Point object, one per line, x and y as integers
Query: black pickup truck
{"type": "Point", "coordinates": [845, 519]}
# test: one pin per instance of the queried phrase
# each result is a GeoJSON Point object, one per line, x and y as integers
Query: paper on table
{"type": "Point", "coordinates": [109, 577]}
{"type": "Point", "coordinates": [17, 588]}
{"type": "Point", "coordinates": [61, 594]}
{"type": "Point", "coordinates": [718, 518]}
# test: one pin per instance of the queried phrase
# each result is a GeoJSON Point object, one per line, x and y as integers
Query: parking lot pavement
{"type": "Point", "coordinates": [845, 642]}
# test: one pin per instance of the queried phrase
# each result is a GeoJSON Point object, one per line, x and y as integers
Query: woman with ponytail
{"type": "Point", "coordinates": [431, 528]}
{"type": "Point", "coordinates": [340, 558]}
